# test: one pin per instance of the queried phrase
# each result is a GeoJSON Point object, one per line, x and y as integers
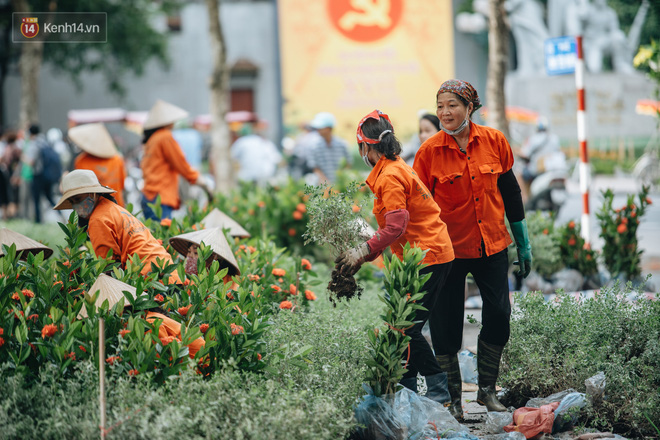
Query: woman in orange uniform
{"type": "Point", "coordinates": [405, 213]}
{"type": "Point", "coordinates": [111, 227]}
{"type": "Point", "coordinates": [467, 167]}
{"type": "Point", "coordinates": [164, 161]}
{"type": "Point", "coordinates": [101, 156]}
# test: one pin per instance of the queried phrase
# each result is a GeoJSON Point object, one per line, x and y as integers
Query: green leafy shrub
{"type": "Point", "coordinates": [543, 238]}
{"type": "Point", "coordinates": [618, 228]}
{"type": "Point", "coordinates": [575, 254]}
{"type": "Point", "coordinates": [558, 345]}
{"type": "Point", "coordinates": [386, 347]}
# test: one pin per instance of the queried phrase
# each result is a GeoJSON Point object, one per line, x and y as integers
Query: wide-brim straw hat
{"type": "Point", "coordinates": [24, 245]}
{"type": "Point", "coordinates": [162, 114]}
{"type": "Point", "coordinates": [80, 182]}
{"type": "Point", "coordinates": [93, 139]}
{"type": "Point", "coordinates": [217, 218]}
{"type": "Point", "coordinates": [109, 289]}
{"type": "Point", "coordinates": [212, 237]}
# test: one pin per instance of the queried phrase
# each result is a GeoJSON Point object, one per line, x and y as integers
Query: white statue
{"type": "Point", "coordinates": [529, 32]}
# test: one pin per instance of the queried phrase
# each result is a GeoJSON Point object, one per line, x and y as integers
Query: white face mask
{"type": "Point", "coordinates": [365, 158]}
{"type": "Point", "coordinates": [460, 128]}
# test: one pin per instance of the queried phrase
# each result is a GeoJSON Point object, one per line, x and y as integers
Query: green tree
{"type": "Point", "coordinates": [132, 41]}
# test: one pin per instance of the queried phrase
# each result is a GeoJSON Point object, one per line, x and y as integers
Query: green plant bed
{"type": "Point", "coordinates": [558, 345]}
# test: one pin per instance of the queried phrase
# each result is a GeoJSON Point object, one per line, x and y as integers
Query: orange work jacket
{"type": "Point", "coordinates": [397, 186]}
{"type": "Point", "coordinates": [111, 172]}
{"type": "Point", "coordinates": [464, 185]}
{"type": "Point", "coordinates": [161, 164]}
{"type": "Point", "coordinates": [113, 227]}
{"type": "Point", "coordinates": [170, 327]}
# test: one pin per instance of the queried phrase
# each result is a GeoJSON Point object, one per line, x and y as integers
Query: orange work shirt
{"type": "Point", "coordinates": [464, 185]}
{"type": "Point", "coordinates": [111, 172]}
{"type": "Point", "coordinates": [113, 227]}
{"type": "Point", "coordinates": [170, 327]}
{"type": "Point", "coordinates": [162, 162]}
{"type": "Point", "coordinates": [397, 186]}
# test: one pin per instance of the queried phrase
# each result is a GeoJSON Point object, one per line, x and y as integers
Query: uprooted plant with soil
{"type": "Point", "coordinates": [335, 221]}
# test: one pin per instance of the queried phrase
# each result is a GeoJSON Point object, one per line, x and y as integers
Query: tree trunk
{"type": "Point", "coordinates": [29, 67]}
{"type": "Point", "coordinates": [219, 85]}
{"type": "Point", "coordinates": [498, 43]}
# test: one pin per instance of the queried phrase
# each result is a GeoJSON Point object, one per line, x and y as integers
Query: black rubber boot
{"type": "Point", "coordinates": [449, 364]}
{"type": "Point", "coordinates": [488, 366]}
{"type": "Point", "coordinates": [410, 383]}
{"type": "Point", "coordinates": [436, 388]}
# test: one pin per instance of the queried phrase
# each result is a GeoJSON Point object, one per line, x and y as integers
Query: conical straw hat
{"type": "Point", "coordinates": [93, 139]}
{"type": "Point", "coordinates": [162, 114]}
{"type": "Point", "coordinates": [80, 182]}
{"type": "Point", "coordinates": [24, 245]}
{"type": "Point", "coordinates": [217, 218]}
{"type": "Point", "coordinates": [110, 289]}
{"type": "Point", "coordinates": [215, 239]}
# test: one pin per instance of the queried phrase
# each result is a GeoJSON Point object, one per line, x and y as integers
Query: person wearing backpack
{"type": "Point", "coordinates": [46, 169]}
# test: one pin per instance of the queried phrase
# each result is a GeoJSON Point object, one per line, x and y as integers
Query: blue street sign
{"type": "Point", "coordinates": [560, 55]}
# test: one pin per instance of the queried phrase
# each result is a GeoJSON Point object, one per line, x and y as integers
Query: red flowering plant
{"type": "Point", "coordinates": [618, 228]}
{"type": "Point", "coordinates": [575, 253]}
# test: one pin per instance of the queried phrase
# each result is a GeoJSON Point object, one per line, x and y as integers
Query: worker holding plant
{"type": "Point", "coordinates": [164, 161]}
{"type": "Point", "coordinates": [111, 227]}
{"type": "Point", "coordinates": [467, 168]}
{"type": "Point", "coordinates": [406, 213]}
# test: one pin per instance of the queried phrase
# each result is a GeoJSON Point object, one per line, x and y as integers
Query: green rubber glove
{"type": "Point", "coordinates": [521, 237]}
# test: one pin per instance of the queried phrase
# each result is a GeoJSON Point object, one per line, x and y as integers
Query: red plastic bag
{"type": "Point", "coordinates": [533, 421]}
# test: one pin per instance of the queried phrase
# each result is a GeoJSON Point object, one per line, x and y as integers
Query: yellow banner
{"type": "Point", "coordinates": [349, 57]}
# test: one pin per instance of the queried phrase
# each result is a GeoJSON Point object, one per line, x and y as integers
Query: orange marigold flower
{"type": "Point", "coordinates": [112, 359]}
{"type": "Point", "coordinates": [261, 204]}
{"type": "Point", "coordinates": [279, 272]}
{"type": "Point", "coordinates": [252, 249]}
{"type": "Point", "coordinates": [71, 355]}
{"type": "Point", "coordinates": [48, 330]}
{"type": "Point", "coordinates": [621, 228]}
{"type": "Point", "coordinates": [545, 231]}
{"type": "Point", "coordinates": [292, 232]}
{"type": "Point", "coordinates": [306, 264]}
{"type": "Point", "coordinates": [571, 241]}
{"type": "Point", "coordinates": [258, 356]}
{"type": "Point", "coordinates": [82, 348]}
{"type": "Point", "coordinates": [250, 211]}
{"type": "Point", "coordinates": [301, 207]}
{"type": "Point", "coordinates": [183, 311]}
{"type": "Point", "coordinates": [253, 277]}
{"type": "Point", "coordinates": [286, 304]}
{"type": "Point", "coordinates": [236, 329]}
{"type": "Point", "coordinates": [61, 284]}
{"type": "Point", "coordinates": [204, 328]}
{"type": "Point", "coordinates": [649, 201]}
{"type": "Point", "coordinates": [633, 214]}
{"type": "Point", "coordinates": [2, 331]}
{"type": "Point", "coordinates": [293, 289]}
{"type": "Point", "coordinates": [167, 222]}
{"type": "Point", "coordinates": [571, 224]}
{"type": "Point", "coordinates": [310, 295]}
{"type": "Point", "coordinates": [124, 332]}
{"type": "Point", "coordinates": [2, 342]}
{"type": "Point", "coordinates": [355, 208]}
{"type": "Point", "coordinates": [275, 288]}
{"type": "Point", "coordinates": [33, 317]}
{"type": "Point", "coordinates": [297, 215]}
{"type": "Point", "coordinates": [624, 221]}
{"type": "Point", "coordinates": [66, 263]}
{"type": "Point", "coordinates": [159, 298]}
{"type": "Point", "coordinates": [133, 372]}
{"type": "Point", "coordinates": [27, 293]}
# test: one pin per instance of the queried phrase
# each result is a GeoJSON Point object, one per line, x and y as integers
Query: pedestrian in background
{"type": "Point", "coordinates": [257, 157]}
{"type": "Point", "coordinates": [100, 155]}
{"type": "Point", "coordinates": [467, 168]}
{"type": "Point", "coordinates": [163, 161]}
{"type": "Point", "coordinates": [46, 168]}
{"type": "Point", "coordinates": [405, 213]}
{"type": "Point", "coordinates": [328, 152]}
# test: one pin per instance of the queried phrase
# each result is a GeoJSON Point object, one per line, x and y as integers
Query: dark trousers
{"type": "Point", "coordinates": [41, 186]}
{"type": "Point", "coordinates": [490, 274]}
{"type": "Point", "coordinates": [147, 212]}
{"type": "Point", "coordinates": [422, 360]}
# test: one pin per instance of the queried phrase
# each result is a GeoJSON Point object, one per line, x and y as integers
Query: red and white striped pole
{"type": "Point", "coordinates": [585, 173]}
